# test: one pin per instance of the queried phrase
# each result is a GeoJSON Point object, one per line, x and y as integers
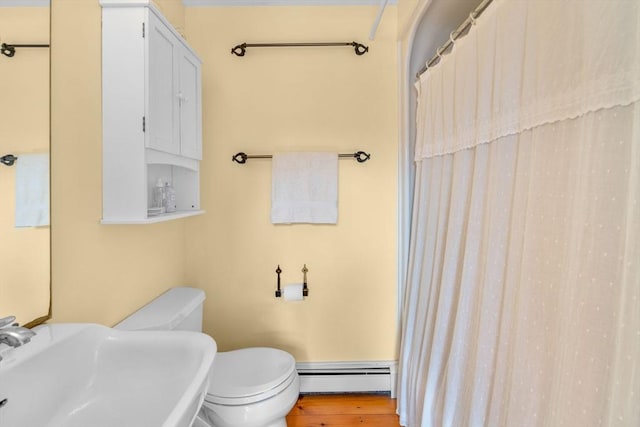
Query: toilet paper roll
{"type": "Point", "coordinates": [293, 292]}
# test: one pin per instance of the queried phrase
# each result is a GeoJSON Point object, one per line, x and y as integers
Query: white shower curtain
{"type": "Point", "coordinates": [522, 303]}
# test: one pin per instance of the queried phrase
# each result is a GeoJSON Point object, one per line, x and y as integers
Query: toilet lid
{"type": "Point", "coordinates": [241, 374]}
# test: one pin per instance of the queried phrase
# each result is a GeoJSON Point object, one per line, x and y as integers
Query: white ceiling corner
{"type": "Point", "coordinates": [283, 2]}
{"type": "Point", "coordinates": [24, 3]}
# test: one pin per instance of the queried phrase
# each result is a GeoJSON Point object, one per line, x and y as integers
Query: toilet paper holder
{"type": "Point", "coordinates": [305, 289]}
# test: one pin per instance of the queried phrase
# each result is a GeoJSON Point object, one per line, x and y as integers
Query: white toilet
{"type": "Point", "coordinates": [251, 387]}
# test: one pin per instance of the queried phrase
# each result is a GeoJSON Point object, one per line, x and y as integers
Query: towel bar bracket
{"type": "Point", "coordinates": [9, 50]}
{"type": "Point", "coordinates": [8, 159]}
{"type": "Point", "coordinates": [240, 158]}
{"type": "Point", "coordinates": [361, 156]}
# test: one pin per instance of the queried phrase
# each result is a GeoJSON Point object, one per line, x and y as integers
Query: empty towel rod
{"type": "Point", "coordinates": [241, 49]}
{"type": "Point", "coordinates": [359, 156]}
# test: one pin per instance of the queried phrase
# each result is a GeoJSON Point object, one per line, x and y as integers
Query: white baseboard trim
{"type": "Point", "coordinates": [348, 377]}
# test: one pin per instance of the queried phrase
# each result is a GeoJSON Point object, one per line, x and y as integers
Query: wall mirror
{"type": "Point", "coordinates": [25, 248]}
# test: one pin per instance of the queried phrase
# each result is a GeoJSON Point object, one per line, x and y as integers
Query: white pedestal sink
{"type": "Point", "coordinates": [85, 375]}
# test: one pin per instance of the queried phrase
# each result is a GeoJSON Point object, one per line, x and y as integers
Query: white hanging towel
{"type": "Point", "coordinates": [304, 188]}
{"type": "Point", "coordinates": [32, 190]}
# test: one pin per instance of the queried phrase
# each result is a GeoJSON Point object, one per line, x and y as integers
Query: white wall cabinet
{"type": "Point", "coordinates": [152, 113]}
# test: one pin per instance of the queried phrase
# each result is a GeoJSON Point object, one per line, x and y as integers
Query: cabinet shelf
{"type": "Point", "coordinates": [153, 219]}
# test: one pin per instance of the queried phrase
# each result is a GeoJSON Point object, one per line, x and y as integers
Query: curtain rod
{"type": "Point", "coordinates": [241, 49]}
{"type": "Point", "coordinates": [10, 49]}
{"type": "Point", "coordinates": [241, 157]}
{"type": "Point", "coordinates": [455, 35]}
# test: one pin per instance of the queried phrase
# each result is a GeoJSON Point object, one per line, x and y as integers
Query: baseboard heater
{"type": "Point", "coordinates": [348, 377]}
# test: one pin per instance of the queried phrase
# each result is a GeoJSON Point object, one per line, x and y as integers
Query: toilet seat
{"type": "Point", "coordinates": [249, 375]}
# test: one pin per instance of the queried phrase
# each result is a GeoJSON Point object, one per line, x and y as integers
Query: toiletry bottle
{"type": "Point", "coordinates": [170, 197]}
{"type": "Point", "coordinates": [159, 196]}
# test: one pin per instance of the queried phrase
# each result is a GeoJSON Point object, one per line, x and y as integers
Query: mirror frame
{"type": "Point", "coordinates": [42, 319]}
{"type": "Point", "coordinates": [48, 316]}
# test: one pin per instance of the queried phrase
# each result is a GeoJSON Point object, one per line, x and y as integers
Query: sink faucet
{"type": "Point", "coordinates": [12, 334]}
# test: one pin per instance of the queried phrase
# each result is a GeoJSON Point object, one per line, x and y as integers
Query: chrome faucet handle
{"type": "Point", "coordinates": [15, 336]}
{"type": "Point", "coordinates": [5, 322]}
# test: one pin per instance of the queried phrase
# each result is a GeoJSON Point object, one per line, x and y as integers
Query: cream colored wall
{"type": "Point", "coordinates": [295, 100]}
{"type": "Point", "coordinates": [24, 128]}
{"type": "Point", "coordinates": [174, 11]}
{"type": "Point", "coordinates": [406, 12]}
{"type": "Point", "coordinates": [100, 273]}
{"type": "Point", "coordinates": [309, 99]}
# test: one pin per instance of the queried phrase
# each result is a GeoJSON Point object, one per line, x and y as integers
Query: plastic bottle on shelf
{"type": "Point", "coordinates": [170, 198]}
{"type": "Point", "coordinates": [159, 196]}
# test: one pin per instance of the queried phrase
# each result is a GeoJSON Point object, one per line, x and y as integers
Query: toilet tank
{"type": "Point", "coordinates": [178, 309]}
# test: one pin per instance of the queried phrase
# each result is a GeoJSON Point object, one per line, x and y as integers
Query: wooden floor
{"type": "Point", "coordinates": [343, 410]}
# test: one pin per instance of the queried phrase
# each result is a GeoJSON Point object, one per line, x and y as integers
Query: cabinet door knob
{"type": "Point", "coordinates": [181, 97]}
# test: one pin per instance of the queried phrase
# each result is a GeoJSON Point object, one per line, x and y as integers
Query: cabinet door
{"type": "Point", "coordinates": [162, 111]}
{"type": "Point", "coordinates": [190, 106]}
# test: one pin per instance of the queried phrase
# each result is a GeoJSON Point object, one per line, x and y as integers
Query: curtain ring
{"type": "Point", "coordinates": [472, 18]}
{"type": "Point", "coordinates": [452, 38]}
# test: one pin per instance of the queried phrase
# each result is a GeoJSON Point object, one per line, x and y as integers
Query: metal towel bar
{"type": "Point", "coordinates": [242, 158]}
{"type": "Point", "coordinates": [241, 49]}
